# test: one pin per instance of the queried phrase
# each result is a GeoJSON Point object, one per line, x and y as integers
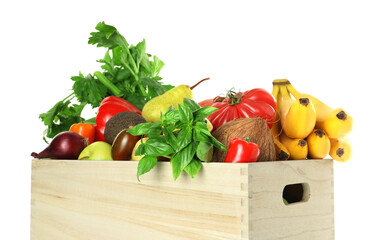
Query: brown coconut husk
{"type": "Point", "coordinates": [255, 128]}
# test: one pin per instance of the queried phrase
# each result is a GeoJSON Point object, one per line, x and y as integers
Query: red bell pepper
{"type": "Point", "coordinates": [108, 108]}
{"type": "Point", "coordinates": [241, 151]}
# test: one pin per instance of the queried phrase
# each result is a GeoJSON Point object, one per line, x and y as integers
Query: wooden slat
{"type": "Point", "coordinates": [104, 200]}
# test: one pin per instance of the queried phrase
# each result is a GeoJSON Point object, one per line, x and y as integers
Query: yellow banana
{"type": "Point", "coordinates": [298, 148]}
{"type": "Point", "coordinates": [298, 117]}
{"type": "Point", "coordinates": [336, 123]}
{"type": "Point", "coordinates": [282, 152]}
{"type": "Point", "coordinates": [318, 144]}
{"type": "Point", "coordinates": [341, 149]}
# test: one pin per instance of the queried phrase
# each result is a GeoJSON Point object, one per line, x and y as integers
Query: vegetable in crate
{"type": "Point", "coordinates": [255, 128]}
{"type": "Point", "coordinates": [253, 103]}
{"type": "Point", "coordinates": [119, 122]}
{"type": "Point", "coordinates": [127, 72]}
{"type": "Point", "coordinates": [181, 135]}
{"type": "Point", "coordinates": [242, 151]}
{"type": "Point", "coordinates": [123, 145]}
{"type": "Point", "coordinates": [65, 145]}
{"type": "Point", "coordinates": [86, 130]}
{"type": "Point", "coordinates": [209, 102]}
{"type": "Point", "coordinates": [110, 106]}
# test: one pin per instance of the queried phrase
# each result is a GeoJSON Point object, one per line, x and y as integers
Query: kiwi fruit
{"type": "Point", "coordinates": [119, 122]}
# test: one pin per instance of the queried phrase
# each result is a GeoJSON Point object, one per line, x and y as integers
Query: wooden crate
{"type": "Point", "coordinates": [98, 200]}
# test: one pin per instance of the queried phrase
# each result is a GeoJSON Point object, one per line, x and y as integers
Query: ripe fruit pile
{"type": "Point", "coordinates": [305, 127]}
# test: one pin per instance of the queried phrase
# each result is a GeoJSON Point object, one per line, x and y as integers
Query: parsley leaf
{"type": "Point", "coordinates": [61, 116]}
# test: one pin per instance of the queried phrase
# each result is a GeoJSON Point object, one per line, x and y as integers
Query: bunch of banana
{"type": "Point", "coordinates": [307, 127]}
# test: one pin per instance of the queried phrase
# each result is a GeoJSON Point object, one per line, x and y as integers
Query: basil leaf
{"type": "Point", "coordinates": [154, 147]}
{"type": "Point", "coordinates": [185, 114]}
{"type": "Point", "coordinates": [203, 113]}
{"type": "Point", "coordinates": [140, 150]}
{"type": "Point", "coordinates": [172, 117]}
{"type": "Point", "coordinates": [154, 131]}
{"type": "Point", "coordinates": [193, 167]}
{"type": "Point", "coordinates": [202, 134]}
{"type": "Point", "coordinates": [145, 165]}
{"type": "Point", "coordinates": [217, 143]}
{"type": "Point", "coordinates": [187, 154]}
{"type": "Point", "coordinates": [199, 133]}
{"type": "Point", "coordinates": [171, 139]}
{"type": "Point", "coordinates": [176, 166]}
{"type": "Point", "coordinates": [184, 137]}
{"type": "Point", "coordinates": [142, 128]}
{"type": "Point", "coordinates": [181, 159]}
{"type": "Point", "coordinates": [191, 104]}
{"type": "Point", "coordinates": [204, 151]}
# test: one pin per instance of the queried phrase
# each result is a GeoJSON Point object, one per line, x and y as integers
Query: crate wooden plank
{"type": "Point", "coordinates": [271, 219]}
{"type": "Point", "coordinates": [103, 200]}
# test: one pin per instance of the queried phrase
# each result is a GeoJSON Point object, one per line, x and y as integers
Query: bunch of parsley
{"type": "Point", "coordinates": [181, 135]}
{"type": "Point", "coordinates": [127, 71]}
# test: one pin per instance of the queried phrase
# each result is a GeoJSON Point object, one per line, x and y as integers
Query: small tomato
{"type": "Point", "coordinates": [86, 130]}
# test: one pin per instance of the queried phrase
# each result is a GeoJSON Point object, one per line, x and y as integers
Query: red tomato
{"type": "Point", "coordinates": [253, 103]}
{"type": "Point", "coordinates": [86, 130]}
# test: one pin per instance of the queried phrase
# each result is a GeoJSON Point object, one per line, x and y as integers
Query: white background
{"type": "Point", "coordinates": [325, 48]}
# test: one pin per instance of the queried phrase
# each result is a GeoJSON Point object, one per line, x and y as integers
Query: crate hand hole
{"type": "Point", "coordinates": [295, 193]}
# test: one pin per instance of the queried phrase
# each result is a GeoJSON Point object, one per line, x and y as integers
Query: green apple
{"type": "Point", "coordinates": [96, 151]}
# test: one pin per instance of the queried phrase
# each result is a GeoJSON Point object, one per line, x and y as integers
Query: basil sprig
{"type": "Point", "coordinates": [181, 135]}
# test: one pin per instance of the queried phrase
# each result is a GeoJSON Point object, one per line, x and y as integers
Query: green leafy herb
{"type": "Point", "coordinates": [127, 71]}
{"type": "Point", "coordinates": [204, 151]}
{"type": "Point", "coordinates": [61, 116]}
{"type": "Point", "coordinates": [181, 135]}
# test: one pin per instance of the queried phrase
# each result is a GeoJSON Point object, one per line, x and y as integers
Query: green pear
{"type": "Point", "coordinates": [152, 109]}
{"type": "Point", "coordinates": [96, 151]}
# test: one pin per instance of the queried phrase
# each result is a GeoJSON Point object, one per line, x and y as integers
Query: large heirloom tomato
{"type": "Point", "coordinates": [253, 103]}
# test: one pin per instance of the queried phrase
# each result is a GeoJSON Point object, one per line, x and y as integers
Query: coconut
{"type": "Point", "coordinates": [255, 128]}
